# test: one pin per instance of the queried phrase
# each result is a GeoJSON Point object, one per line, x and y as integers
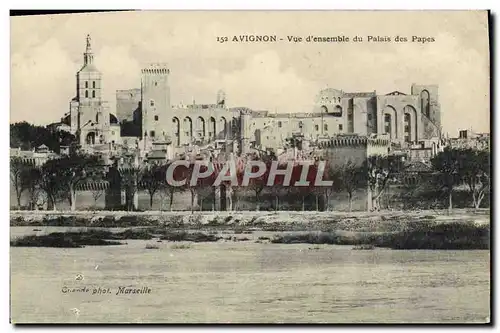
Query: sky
{"type": "Point", "coordinates": [47, 51]}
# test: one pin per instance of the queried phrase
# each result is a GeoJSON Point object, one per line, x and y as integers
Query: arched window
{"type": "Point", "coordinates": [93, 84]}
{"type": "Point", "coordinates": [86, 84]}
{"type": "Point", "coordinates": [425, 103]}
{"type": "Point", "coordinates": [152, 103]}
{"type": "Point", "coordinates": [97, 118]}
{"type": "Point", "coordinates": [177, 130]}
{"type": "Point", "coordinates": [279, 124]}
{"type": "Point", "coordinates": [337, 111]}
{"type": "Point", "coordinates": [86, 94]}
{"type": "Point", "coordinates": [93, 93]}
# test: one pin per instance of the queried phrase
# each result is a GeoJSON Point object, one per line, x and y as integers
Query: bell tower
{"type": "Point", "coordinates": [89, 79]}
{"type": "Point", "coordinates": [89, 113]}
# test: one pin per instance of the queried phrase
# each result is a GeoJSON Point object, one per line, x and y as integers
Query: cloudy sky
{"type": "Point", "coordinates": [47, 51]}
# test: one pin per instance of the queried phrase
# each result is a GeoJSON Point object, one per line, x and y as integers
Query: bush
{"type": "Point", "coordinates": [195, 237]}
{"type": "Point", "coordinates": [453, 236]}
{"type": "Point", "coordinates": [66, 240]}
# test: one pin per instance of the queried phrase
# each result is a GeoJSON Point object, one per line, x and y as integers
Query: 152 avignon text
{"type": "Point", "coordinates": [324, 39]}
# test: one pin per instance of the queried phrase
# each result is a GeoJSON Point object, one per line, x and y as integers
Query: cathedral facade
{"type": "Point", "coordinates": [147, 115]}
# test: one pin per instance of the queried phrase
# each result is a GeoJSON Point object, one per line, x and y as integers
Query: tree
{"type": "Point", "coordinates": [380, 171]}
{"type": "Point", "coordinates": [475, 172]}
{"type": "Point", "coordinates": [64, 175]}
{"type": "Point", "coordinates": [131, 177]}
{"type": "Point", "coordinates": [97, 192]}
{"type": "Point", "coordinates": [153, 178]}
{"type": "Point", "coordinates": [448, 166]}
{"type": "Point", "coordinates": [349, 177]}
{"type": "Point", "coordinates": [166, 192]}
{"type": "Point", "coordinates": [27, 136]}
{"type": "Point", "coordinates": [50, 184]}
{"type": "Point", "coordinates": [17, 172]}
{"type": "Point", "coordinates": [31, 184]}
{"type": "Point", "coordinates": [276, 190]}
{"type": "Point", "coordinates": [257, 185]}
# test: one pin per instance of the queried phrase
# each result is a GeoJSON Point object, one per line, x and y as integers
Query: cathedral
{"type": "Point", "coordinates": [145, 117]}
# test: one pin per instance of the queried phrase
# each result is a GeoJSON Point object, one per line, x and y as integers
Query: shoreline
{"type": "Point", "coordinates": [397, 230]}
{"type": "Point", "coordinates": [258, 220]}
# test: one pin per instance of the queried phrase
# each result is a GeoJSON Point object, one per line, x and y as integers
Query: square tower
{"type": "Point", "coordinates": [430, 108]}
{"type": "Point", "coordinates": [155, 105]}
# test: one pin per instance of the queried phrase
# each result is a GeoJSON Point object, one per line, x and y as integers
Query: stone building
{"type": "Point", "coordinates": [147, 114]}
{"type": "Point", "coordinates": [469, 139]}
{"type": "Point", "coordinates": [407, 119]}
{"type": "Point", "coordinates": [89, 117]}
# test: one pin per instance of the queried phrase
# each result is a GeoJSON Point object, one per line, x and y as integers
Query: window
{"type": "Point", "coordinates": [279, 124]}
{"type": "Point", "coordinates": [151, 133]}
{"type": "Point", "coordinates": [93, 93]}
{"type": "Point", "coordinates": [93, 84]}
{"type": "Point", "coordinates": [156, 118]}
{"type": "Point", "coordinates": [300, 124]}
{"type": "Point", "coordinates": [316, 127]}
{"type": "Point", "coordinates": [370, 116]}
{"type": "Point", "coordinates": [86, 84]}
{"type": "Point", "coordinates": [325, 127]}
{"type": "Point", "coordinates": [152, 102]}
{"type": "Point", "coordinates": [340, 127]}
{"type": "Point", "coordinates": [86, 94]}
{"type": "Point", "coordinates": [156, 83]}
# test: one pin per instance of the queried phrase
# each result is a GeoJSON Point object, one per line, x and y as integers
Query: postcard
{"type": "Point", "coordinates": [250, 167]}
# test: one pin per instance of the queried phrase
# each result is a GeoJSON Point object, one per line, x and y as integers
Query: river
{"type": "Point", "coordinates": [248, 282]}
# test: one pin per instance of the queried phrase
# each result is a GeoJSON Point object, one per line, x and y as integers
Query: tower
{"type": "Point", "coordinates": [245, 119]}
{"type": "Point", "coordinates": [221, 98]}
{"type": "Point", "coordinates": [428, 98]}
{"type": "Point", "coordinates": [155, 106]}
{"type": "Point", "coordinates": [89, 113]}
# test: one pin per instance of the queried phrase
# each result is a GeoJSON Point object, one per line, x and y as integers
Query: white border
{"type": "Point", "coordinates": [189, 5]}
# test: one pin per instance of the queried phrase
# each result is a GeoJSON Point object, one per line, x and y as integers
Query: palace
{"type": "Point", "coordinates": [146, 119]}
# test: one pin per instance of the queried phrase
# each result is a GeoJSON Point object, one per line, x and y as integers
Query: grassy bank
{"type": "Point", "coordinates": [96, 237]}
{"type": "Point", "coordinates": [446, 236]}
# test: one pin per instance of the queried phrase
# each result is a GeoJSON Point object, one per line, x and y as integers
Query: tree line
{"type": "Point", "coordinates": [60, 179]}
{"type": "Point", "coordinates": [27, 137]}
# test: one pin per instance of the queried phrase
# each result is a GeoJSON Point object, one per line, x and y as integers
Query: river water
{"type": "Point", "coordinates": [247, 282]}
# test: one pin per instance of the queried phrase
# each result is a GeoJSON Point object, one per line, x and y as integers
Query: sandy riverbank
{"type": "Point", "coordinates": [388, 221]}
